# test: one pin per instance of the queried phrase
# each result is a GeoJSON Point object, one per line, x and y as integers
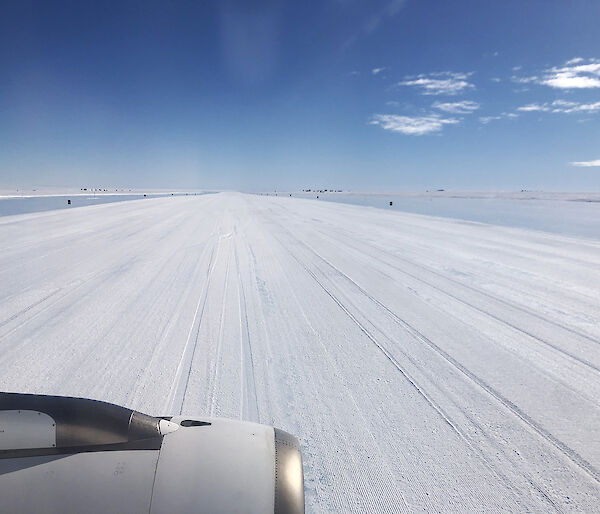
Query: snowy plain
{"type": "Point", "coordinates": [574, 214]}
{"type": "Point", "coordinates": [425, 364]}
{"type": "Point", "coordinates": [11, 204]}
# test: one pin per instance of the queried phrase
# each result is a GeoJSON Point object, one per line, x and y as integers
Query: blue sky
{"type": "Point", "coordinates": [363, 95]}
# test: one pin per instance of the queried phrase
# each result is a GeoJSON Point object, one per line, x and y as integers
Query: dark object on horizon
{"type": "Point", "coordinates": [440, 189]}
{"type": "Point", "coordinates": [144, 196]}
{"type": "Point", "coordinates": [391, 203]}
{"type": "Point", "coordinates": [317, 196]}
{"type": "Point", "coordinates": [68, 202]}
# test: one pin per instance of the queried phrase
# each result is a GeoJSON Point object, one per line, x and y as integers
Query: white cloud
{"type": "Point", "coordinates": [464, 107]}
{"type": "Point", "coordinates": [533, 108]}
{"type": "Point", "coordinates": [412, 125]}
{"type": "Point", "coordinates": [564, 103]}
{"type": "Point", "coordinates": [441, 83]}
{"type": "Point", "coordinates": [586, 164]}
{"type": "Point", "coordinates": [486, 119]}
{"type": "Point", "coordinates": [393, 103]}
{"type": "Point", "coordinates": [561, 106]}
{"type": "Point", "coordinates": [576, 60]}
{"type": "Point", "coordinates": [572, 75]}
{"type": "Point", "coordinates": [525, 80]}
{"type": "Point", "coordinates": [571, 81]}
{"type": "Point", "coordinates": [495, 79]}
{"type": "Point", "coordinates": [375, 71]}
{"type": "Point", "coordinates": [516, 68]}
{"type": "Point", "coordinates": [595, 107]}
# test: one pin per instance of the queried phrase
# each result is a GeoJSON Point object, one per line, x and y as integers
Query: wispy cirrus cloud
{"type": "Point", "coordinates": [586, 164]}
{"type": "Point", "coordinates": [525, 80]}
{"type": "Point", "coordinates": [389, 9]}
{"type": "Point", "coordinates": [440, 83]}
{"type": "Point", "coordinates": [412, 125]}
{"type": "Point", "coordinates": [464, 107]}
{"type": "Point", "coordinates": [561, 106]}
{"type": "Point", "coordinates": [504, 115]}
{"type": "Point", "coordinates": [376, 71]}
{"type": "Point", "coordinates": [577, 73]}
{"type": "Point", "coordinates": [569, 107]}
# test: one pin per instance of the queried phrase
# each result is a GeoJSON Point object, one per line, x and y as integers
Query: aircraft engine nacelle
{"type": "Point", "coordinates": [61, 454]}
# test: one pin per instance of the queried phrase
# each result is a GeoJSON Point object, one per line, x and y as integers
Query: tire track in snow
{"type": "Point", "coordinates": [265, 404]}
{"type": "Point", "coordinates": [172, 264]}
{"type": "Point", "coordinates": [474, 448]}
{"type": "Point", "coordinates": [248, 401]}
{"type": "Point", "coordinates": [184, 368]}
{"type": "Point", "coordinates": [139, 228]}
{"type": "Point", "coordinates": [568, 452]}
{"type": "Point", "coordinates": [476, 290]}
{"type": "Point", "coordinates": [78, 283]}
{"type": "Point", "coordinates": [563, 353]}
{"type": "Point", "coordinates": [366, 488]}
{"type": "Point", "coordinates": [217, 363]}
{"type": "Point", "coordinates": [29, 307]}
{"type": "Point", "coordinates": [163, 336]}
{"type": "Point", "coordinates": [564, 449]}
{"type": "Point", "coordinates": [389, 493]}
{"type": "Point", "coordinates": [445, 418]}
{"type": "Point", "coordinates": [372, 338]}
{"type": "Point", "coordinates": [68, 289]}
{"type": "Point", "coordinates": [555, 347]}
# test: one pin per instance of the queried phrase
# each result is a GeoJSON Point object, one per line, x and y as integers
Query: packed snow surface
{"type": "Point", "coordinates": [425, 364]}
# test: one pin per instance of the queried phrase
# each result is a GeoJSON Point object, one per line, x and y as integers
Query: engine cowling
{"type": "Point", "coordinates": [62, 454]}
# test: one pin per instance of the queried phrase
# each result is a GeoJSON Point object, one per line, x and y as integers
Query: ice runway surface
{"type": "Point", "coordinates": [425, 364]}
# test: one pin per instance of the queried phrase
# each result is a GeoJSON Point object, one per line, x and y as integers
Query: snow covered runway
{"type": "Point", "coordinates": [424, 363]}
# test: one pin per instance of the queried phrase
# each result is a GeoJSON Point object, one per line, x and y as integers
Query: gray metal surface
{"type": "Point", "coordinates": [99, 482]}
{"type": "Point", "coordinates": [26, 429]}
{"type": "Point", "coordinates": [83, 422]}
{"type": "Point", "coordinates": [78, 455]}
{"type": "Point", "coordinates": [289, 476]}
{"type": "Point", "coordinates": [224, 467]}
